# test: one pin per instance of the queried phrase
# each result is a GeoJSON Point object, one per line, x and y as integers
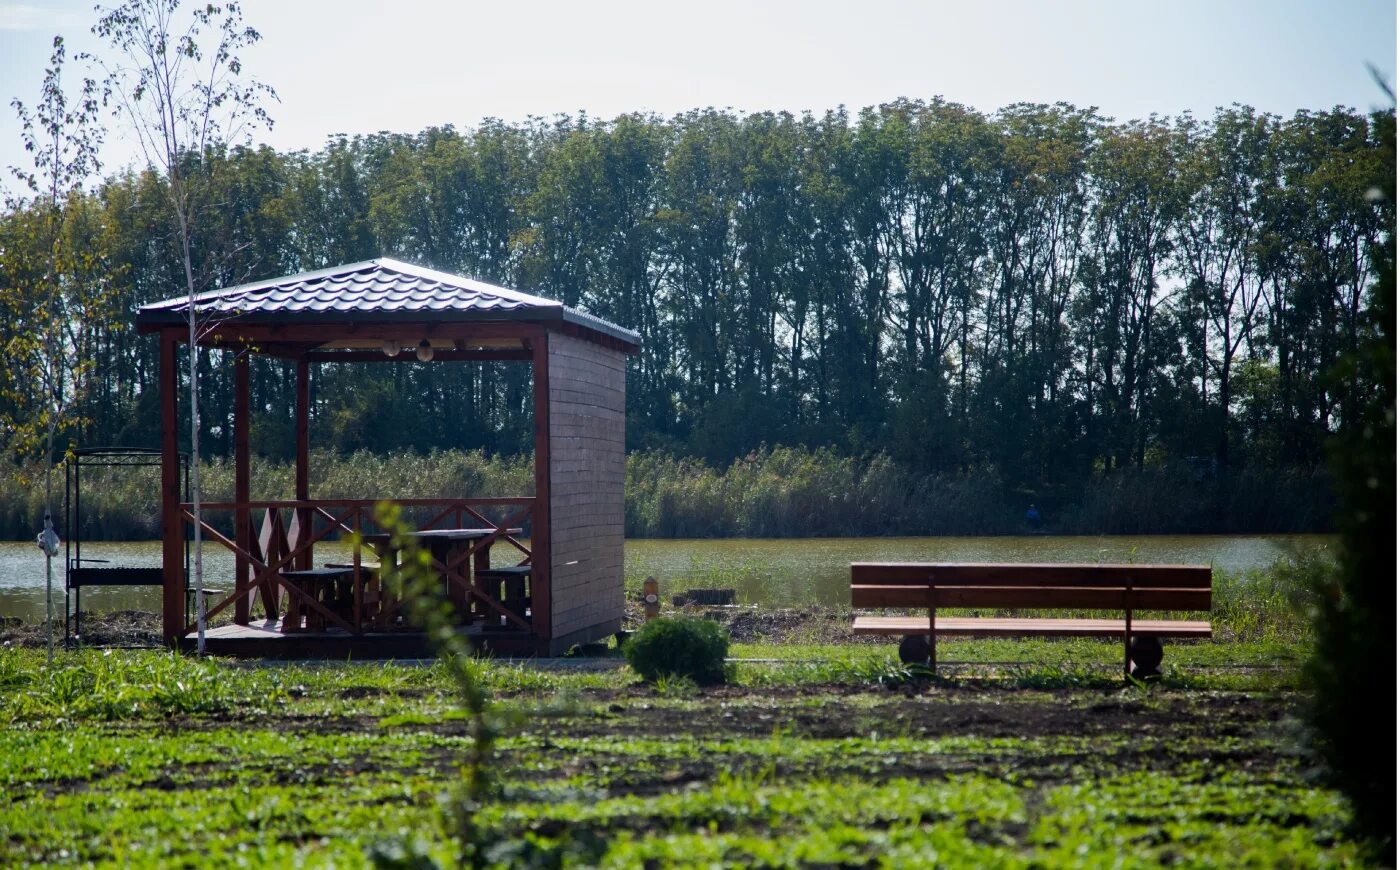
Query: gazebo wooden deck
{"type": "Point", "coordinates": [560, 586]}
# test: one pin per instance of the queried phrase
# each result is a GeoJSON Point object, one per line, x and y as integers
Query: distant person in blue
{"type": "Point", "coordinates": [1033, 517]}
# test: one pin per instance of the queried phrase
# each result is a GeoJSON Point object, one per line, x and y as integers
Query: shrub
{"type": "Point", "coordinates": [679, 647]}
{"type": "Point", "coordinates": [1351, 670]}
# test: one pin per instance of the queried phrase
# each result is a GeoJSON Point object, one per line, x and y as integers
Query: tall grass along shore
{"type": "Point", "coordinates": [777, 493]}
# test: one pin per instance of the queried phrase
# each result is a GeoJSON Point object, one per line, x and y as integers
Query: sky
{"type": "Point", "coordinates": [358, 66]}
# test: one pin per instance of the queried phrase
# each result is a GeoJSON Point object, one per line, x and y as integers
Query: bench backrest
{"type": "Point", "coordinates": [1030, 586]}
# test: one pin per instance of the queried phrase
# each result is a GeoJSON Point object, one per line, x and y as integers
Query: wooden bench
{"type": "Point", "coordinates": [329, 587]}
{"type": "Point", "coordinates": [507, 585]}
{"type": "Point", "coordinates": [1121, 588]}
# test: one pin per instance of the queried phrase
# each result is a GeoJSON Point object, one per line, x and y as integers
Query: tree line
{"type": "Point", "coordinates": [1040, 292]}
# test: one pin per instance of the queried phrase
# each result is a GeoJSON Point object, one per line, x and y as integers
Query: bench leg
{"type": "Point", "coordinates": [1128, 636]}
{"type": "Point", "coordinates": [914, 650]}
{"type": "Point", "coordinates": [932, 637]}
{"type": "Point", "coordinates": [291, 615]}
{"type": "Point", "coordinates": [1146, 655]}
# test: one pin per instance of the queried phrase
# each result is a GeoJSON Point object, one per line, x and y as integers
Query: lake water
{"type": "Point", "coordinates": [763, 571]}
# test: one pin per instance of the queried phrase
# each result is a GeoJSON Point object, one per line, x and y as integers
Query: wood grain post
{"type": "Point", "coordinates": [540, 557]}
{"type": "Point", "coordinates": [481, 561]}
{"type": "Point", "coordinates": [651, 598]}
{"type": "Point", "coordinates": [303, 479]}
{"type": "Point", "coordinates": [172, 524]}
{"type": "Point", "coordinates": [242, 525]}
{"type": "Point", "coordinates": [357, 578]}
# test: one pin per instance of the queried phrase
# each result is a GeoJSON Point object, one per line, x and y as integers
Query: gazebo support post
{"type": "Point", "coordinates": [243, 530]}
{"type": "Point", "coordinates": [303, 484]}
{"type": "Point", "coordinates": [172, 524]}
{"type": "Point", "coordinates": [540, 552]}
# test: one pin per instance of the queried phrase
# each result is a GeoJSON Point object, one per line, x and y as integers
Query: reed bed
{"type": "Point", "coordinates": [780, 492]}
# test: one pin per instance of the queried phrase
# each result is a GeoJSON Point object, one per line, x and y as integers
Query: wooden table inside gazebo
{"type": "Point", "coordinates": [454, 552]}
{"type": "Point", "coordinates": [387, 311]}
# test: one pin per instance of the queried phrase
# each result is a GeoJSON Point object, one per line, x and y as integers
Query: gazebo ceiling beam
{"type": "Point", "coordinates": [321, 333]}
{"type": "Point", "coordinates": [358, 356]}
{"type": "Point", "coordinates": [316, 354]}
{"type": "Point", "coordinates": [280, 350]}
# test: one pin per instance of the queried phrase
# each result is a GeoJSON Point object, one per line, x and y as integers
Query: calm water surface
{"type": "Point", "coordinates": [764, 571]}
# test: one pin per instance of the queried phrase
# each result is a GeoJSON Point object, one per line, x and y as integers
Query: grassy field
{"type": "Point", "coordinates": [1022, 754]}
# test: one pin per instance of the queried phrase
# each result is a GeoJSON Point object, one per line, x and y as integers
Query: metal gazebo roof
{"type": "Point", "coordinates": [375, 291]}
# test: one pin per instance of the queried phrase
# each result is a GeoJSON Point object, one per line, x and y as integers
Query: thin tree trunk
{"type": "Point", "coordinates": [195, 493]}
{"type": "Point", "coordinates": [48, 522]}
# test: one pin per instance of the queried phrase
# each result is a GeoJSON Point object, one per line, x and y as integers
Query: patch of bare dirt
{"type": "Point", "coordinates": [122, 628]}
{"type": "Point", "coordinates": [1166, 734]}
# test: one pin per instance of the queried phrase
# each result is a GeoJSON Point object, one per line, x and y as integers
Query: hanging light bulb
{"type": "Point", "coordinates": [390, 347]}
{"type": "Point", "coordinates": [425, 351]}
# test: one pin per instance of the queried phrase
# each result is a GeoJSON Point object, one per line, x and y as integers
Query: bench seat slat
{"type": "Point", "coordinates": [1014, 597]}
{"type": "Point", "coordinates": [1016, 627]}
{"type": "Point", "coordinates": [1030, 574]}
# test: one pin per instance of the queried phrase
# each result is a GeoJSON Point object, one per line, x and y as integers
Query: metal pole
{"type": "Point", "coordinates": [48, 595]}
{"type": "Point", "coordinates": [49, 543]}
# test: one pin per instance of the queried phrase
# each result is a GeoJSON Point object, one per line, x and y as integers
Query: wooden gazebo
{"type": "Point", "coordinates": [560, 586]}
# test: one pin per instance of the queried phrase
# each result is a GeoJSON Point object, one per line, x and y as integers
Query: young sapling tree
{"type": "Point", "coordinates": [175, 78]}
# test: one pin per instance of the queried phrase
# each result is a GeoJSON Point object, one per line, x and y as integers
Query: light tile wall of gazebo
{"type": "Point", "coordinates": [587, 421]}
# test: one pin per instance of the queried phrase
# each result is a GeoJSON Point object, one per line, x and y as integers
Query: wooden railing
{"type": "Point", "coordinates": [261, 559]}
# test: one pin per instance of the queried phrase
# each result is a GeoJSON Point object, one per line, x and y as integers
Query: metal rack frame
{"type": "Point", "coordinates": [76, 575]}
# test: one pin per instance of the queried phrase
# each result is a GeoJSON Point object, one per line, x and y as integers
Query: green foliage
{"type": "Point", "coordinates": [108, 687]}
{"type": "Point", "coordinates": [296, 769]}
{"type": "Point", "coordinates": [675, 686]}
{"type": "Point", "coordinates": [782, 492]}
{"type": "Point", "coordinates": [55, 281]}
{"type": "Point", "coordinates": [1272, 604]}
{"type": "Point", "coordinates": [794, 492]}
{"type": "Point", "coordinates": [1351, 668]}
{"type": "Point", "coordinates": [981, 296]}
{"type": "Point", "coordinates": [672, 647]}
{"type": "Point", "coordinates": [419, 587]}
{"type": "Point", "coordinates": [124, 504]}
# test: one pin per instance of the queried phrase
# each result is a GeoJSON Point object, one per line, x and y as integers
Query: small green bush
{"type": "Point", "coordinates": [679, 647]}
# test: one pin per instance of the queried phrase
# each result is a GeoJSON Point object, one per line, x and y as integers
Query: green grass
{"type": "Point", "coordinates": [1030, 753]}
{"type": "Point", "coordinates": [1076, 651]}
{"type": "Point", "coordinates": [108, 685]}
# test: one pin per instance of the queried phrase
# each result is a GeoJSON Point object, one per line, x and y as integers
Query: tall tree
{"type": "Point", "coordinates": [54, 301]}
{"type": "Point", "coordinates": [1219, 236]}
{"type": "Point", "coordinates": [1031, 292]}
{"type": "Point", "coordinates": [1354, 696]}
{"type": "Point", "coordinates": [1117, 315]}
{"type": "Point", "coordinates": [176, 79]}
{"type": "Point", "coordinates": [1319, 231]}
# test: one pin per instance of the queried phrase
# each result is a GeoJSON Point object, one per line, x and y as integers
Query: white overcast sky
{"type": "Point", "coordinates": [353, 66]}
